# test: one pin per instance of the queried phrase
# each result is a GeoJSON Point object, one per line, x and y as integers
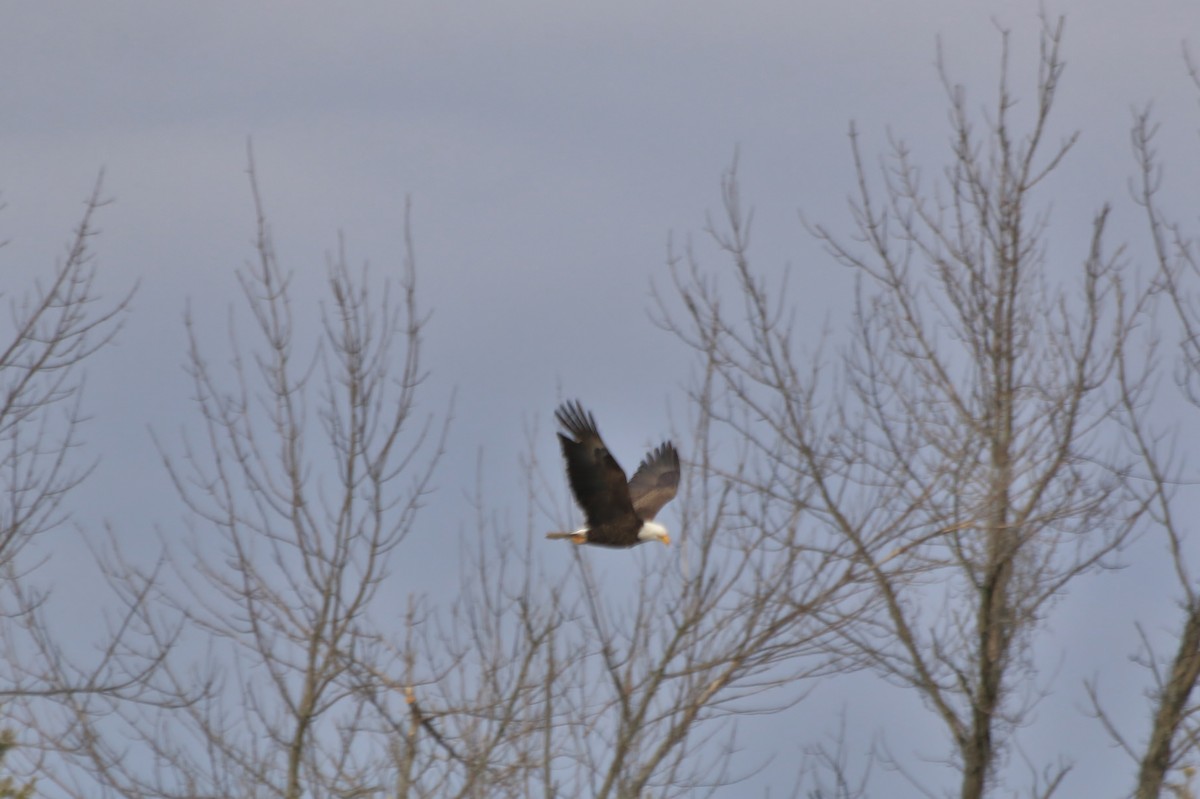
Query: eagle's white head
{"type": "Point", "coordinates": [653, 531]}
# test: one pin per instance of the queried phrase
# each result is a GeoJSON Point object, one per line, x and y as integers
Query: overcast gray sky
{"type": "Point", "coordinates": [549, 150]}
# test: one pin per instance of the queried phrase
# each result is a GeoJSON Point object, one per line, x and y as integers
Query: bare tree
{"type": "Point", "coordinates": [55, 329]}
{"type": "Point", "coordinates": [313, 462]}
{"type": "Point", "coordinates": [49, 682]}
{"type": "Point", "coordinates": [1162, 481]}
{"type": "Point", "coordinates": [954, 451]}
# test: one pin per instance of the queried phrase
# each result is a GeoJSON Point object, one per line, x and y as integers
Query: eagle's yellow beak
{"type": "Point", "coordinates": [666, 539]}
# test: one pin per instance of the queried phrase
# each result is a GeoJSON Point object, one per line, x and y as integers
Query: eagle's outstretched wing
{"type": "Point", "coordinates": [656, 481]}
{"type": "Point", "coordinates": [597, 480]}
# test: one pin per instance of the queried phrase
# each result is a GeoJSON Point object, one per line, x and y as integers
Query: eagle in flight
{"type": "Point", "coordinates": [619, 513]}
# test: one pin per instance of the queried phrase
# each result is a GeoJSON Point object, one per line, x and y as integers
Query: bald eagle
{"type": "Point", "coordinates": [619, 513]}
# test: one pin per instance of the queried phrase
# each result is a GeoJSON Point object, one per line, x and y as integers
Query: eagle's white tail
{"type": "Point", "coordinates": [579, 536]}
